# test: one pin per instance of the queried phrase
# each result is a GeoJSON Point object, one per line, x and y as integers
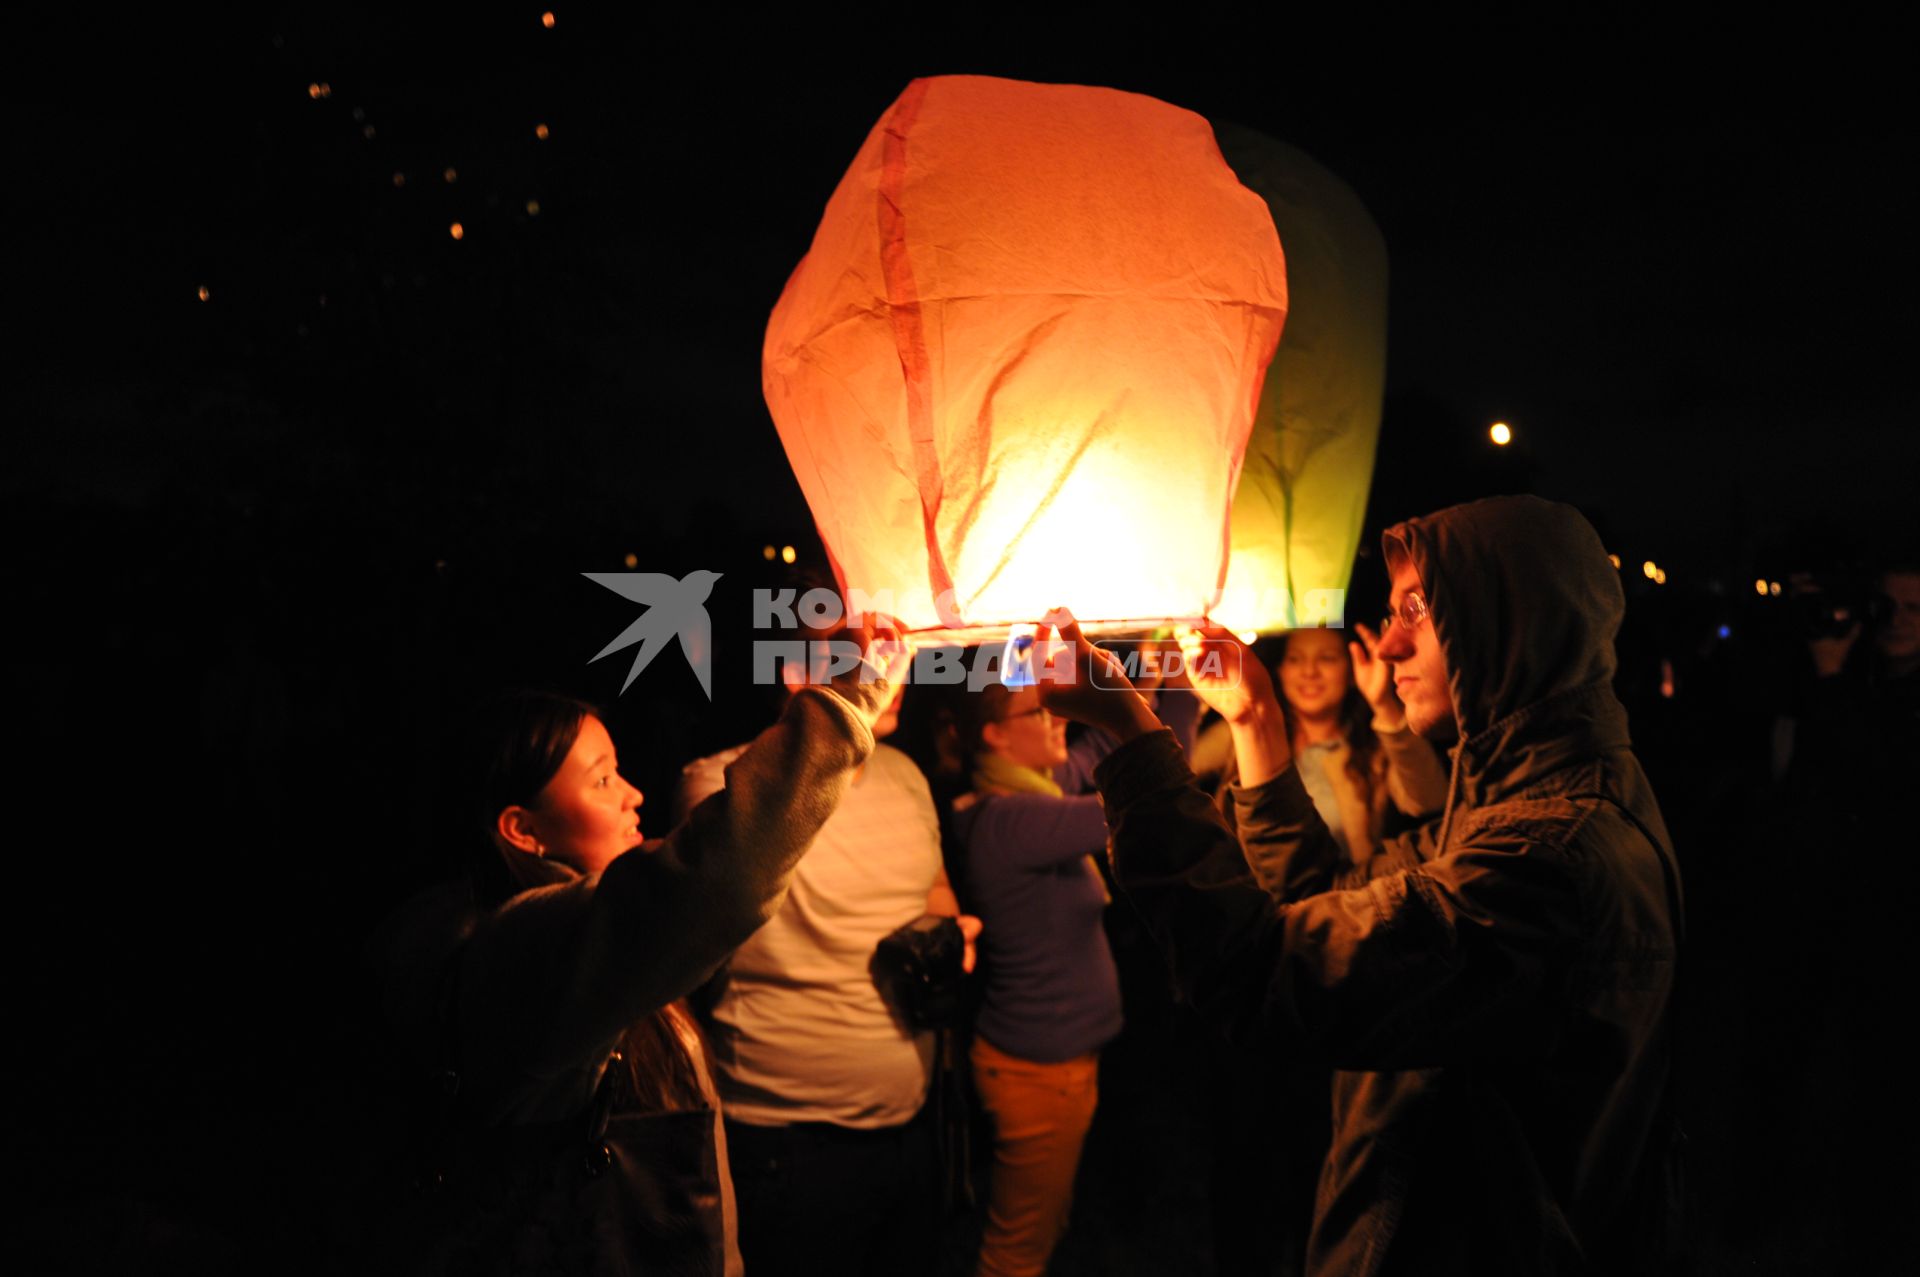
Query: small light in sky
{"type": "Point", "coordinates": [1725, 631]}
{"type": "Point", "coordinates": [1760, 587]}
{"type": "Point", "coordinates": [1660, 577]}
{"type": "Point", "coordinates": [1614, 559]}
{"type": "Point", "coordinates": [399, 179]}
{"type": "Point", "coordinates": [1501, 433]}
{"type": "Point", "coordinates": [546, 19]}
{"type": "Point", "coordinates": [319, 89]}
{"type": "Point", "coordinates": [205, 293]}
{"type": "Point", "coordinates": [533, 208]}
{"type": "Point", "coordinates": [787, 555]}
{"type": "Point", "coordinates": [768, 553]}
{"type": "Point", "coordinates": [457, 231]}
{"type": "Point", "coordinates": [1667, 687]}
{"type": "Point", "coordinates": [540, 131]}
{"type": "Point", "coordinates": [1773, 588]}
{"type": "Point", "coordinates": [367, 132]}
{"type": "Point", "coordinates": [1650, 569]}
{"type": "Point", "coordinates": [632, 560]}
{"type": "Point", "coordinates": [450, 174]}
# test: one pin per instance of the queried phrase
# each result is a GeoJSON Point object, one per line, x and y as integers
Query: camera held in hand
{"type": "Point", "coordinates": [1833, 610]}
{"type": "Point", "coordinates": [918, 970]}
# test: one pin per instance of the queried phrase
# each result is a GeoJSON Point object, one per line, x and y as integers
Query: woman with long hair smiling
{"type": "Point", "coordinates": [1350, 736]}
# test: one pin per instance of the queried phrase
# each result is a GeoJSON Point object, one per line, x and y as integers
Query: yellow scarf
{"type": "Point", "coordinates": [995, 773]}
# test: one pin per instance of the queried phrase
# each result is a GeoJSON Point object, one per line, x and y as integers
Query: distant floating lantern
{"type": "Point", "coordinates": [1019, 364]}
{"type": "Point", "coordinates": [540, 131]}
{"type": "Point", "coordinates": [399, 179]}
{"type": "Point", "coordinates": [1650, 569]}
{"type": "Point", "coordinates": [450, 175]}
{"type": "Point", "coordinates": [206, 294]}
{"type": "Point", "coordinates": [457, 231]}
{"type": "Point", "coordinates": [533, 208]}
{"type": "Point", "coordinates": [546, 20]}
{"type": "Point", "coordinates": [319, 89]}
{"type": "Point", "coordinates": [1302, 497]}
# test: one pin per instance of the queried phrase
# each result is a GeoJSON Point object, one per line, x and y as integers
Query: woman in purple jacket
{"type": "Point", "coordinates": [1028, 835]}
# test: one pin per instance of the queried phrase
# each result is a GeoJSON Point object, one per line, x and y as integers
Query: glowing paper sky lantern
{"type": "Point", "coordinates": [1019, 364]}
{"type": "Point", "coordinates": [1303, 487]}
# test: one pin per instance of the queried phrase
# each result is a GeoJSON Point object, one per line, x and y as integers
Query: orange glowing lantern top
{"type": "Point", "coordinates": [1019, 364]}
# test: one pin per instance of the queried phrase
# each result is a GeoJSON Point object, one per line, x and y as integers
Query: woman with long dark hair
{"type": "Point", "coordinates": [1350, 735]}
{"type": "Point", "coordinates": [574, 1127]}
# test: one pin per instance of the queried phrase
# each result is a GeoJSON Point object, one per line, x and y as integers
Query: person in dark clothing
{"type": "Point", "coordinates": [1494, 987]}
{"type": "Point", "coordinates": [1848, 757]}
{"type": "Point", "coordinates": [577, 1126]}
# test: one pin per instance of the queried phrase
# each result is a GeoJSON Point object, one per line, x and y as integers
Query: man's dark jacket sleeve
{"type": "Point", "coordinates": [1400, 963]}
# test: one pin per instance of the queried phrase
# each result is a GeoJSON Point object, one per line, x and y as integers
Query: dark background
{"type": "Point", "coordinates": [264, 543]}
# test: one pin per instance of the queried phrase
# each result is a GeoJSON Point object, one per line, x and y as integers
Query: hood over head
{"type": "Point", "coordinates": [1523, 599]}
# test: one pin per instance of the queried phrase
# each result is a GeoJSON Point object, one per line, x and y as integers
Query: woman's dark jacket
{"type": "Point", "coordinates": [549, 1158]}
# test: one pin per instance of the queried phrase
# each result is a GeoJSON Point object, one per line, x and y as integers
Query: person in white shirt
{"type": "Point", "coordinates": [834, 1166]}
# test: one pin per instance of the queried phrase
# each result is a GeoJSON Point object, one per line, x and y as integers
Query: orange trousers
{"type": "Point", "coordinates": [1040, 1114]}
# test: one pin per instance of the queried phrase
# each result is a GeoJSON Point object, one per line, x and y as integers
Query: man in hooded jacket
{"type": "Point", "coordinates": [1493, 988]}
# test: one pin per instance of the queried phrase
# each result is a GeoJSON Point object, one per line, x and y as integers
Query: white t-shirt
{"type": "Point", "coordinates": [800, 1033]}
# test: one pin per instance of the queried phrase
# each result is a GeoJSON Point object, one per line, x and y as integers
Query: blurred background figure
{"type": "Point", "coordinates": [1845, 756]}
{"type": "Point", "coordinates": [1857, 711]}
{"type": "Point", "coordinates": [1369, 775]}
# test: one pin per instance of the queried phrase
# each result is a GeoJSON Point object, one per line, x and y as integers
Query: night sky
{"type": "Point", "coordinates": [1680, 275]}
{"type": "Point", "coordinates": [261, 541]}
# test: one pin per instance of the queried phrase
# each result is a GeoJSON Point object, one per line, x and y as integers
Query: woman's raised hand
{"type": "Point", "coordinates": [1374, 678]}
{"type": "Point", "coordinates": [868, 677]}
{"type": "Point", "coordinates": [1077, 680]}
{"type": "Point", "coordinates": [1223, 671]}
{"type": "Point", "coordinates": [884, 649]}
